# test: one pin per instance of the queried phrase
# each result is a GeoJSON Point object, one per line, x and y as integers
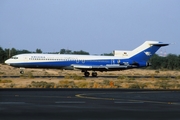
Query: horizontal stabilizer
{"type": "Point", "coordinates": [159, 44]}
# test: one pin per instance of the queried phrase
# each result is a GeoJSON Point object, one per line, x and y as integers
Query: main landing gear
{"type": "Point", "coordinates": [86, 74]}
{"type": "Point", "coordinates": [21, 70]}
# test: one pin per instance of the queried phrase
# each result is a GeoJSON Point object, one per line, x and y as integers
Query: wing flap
{"type": "Point", "coordinates": [82, 66]}
{"type": "Point", "coordinates": [100, 67]}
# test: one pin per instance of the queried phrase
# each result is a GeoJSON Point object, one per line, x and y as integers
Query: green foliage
{"type": "Point", "coordinates": [74, 76]}
{"type": "Point", "coordinates": [142, 85]}
{"type": "Point", "coordinates": [38, 50]}
{"type": "Point", "coordinates": [177, 77]}
{"type": "Point", "coordinates": [138, 86]}
{"type": "Point", "coordinates": [42, 84]}
{"type": "Point", "coordinates": [170, 62]}
{"type": "Point", "coordinates": [81, 52]}
{"type": "Point", "coordinates": [27, 75]}
{"type": "Point", "coordinates": [30, 75]}
{"type": "Point", "coordinates": [7, 53]}
{"type": "Point", "coordinates": [83, 84]}
{"type": "Point", "coordinates": [157, 71]}
{"type": "Point", "coordinates": [164, 78]}
{"type": "Point", "coordinates": [107, 54]}
{"type": "Point", "coordinates": [1, 73]}
{"type": "Point", "coordinates": [122, 77]}
{"type": "Point", "coordinates": [66, 51]}
{"type": "Point", "coordinates": [66, 84]}
{"type": "Point", "coordinates": [3, 55]}
{"type": "Point", "coordinates": [178, 86]}
{"type": "Point", "coordinates": [162, 84]}
{"type": "Point", "coordinates": [12, 85]}
{"type": "Point", "coordinates": [106, 82]}
{"type": "Point", "coordinates": [131, 78]}
{"type": "Point", "coordinates": [68, 76]}
{"type": "Point", "coordinates": [134, 86]}
{"type": "Point", "coordinates": [5, 81]}
{"type": "Point", "coordinates": [118, 83]}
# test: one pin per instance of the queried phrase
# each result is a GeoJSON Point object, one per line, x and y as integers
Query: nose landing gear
{"type": "Point", "coordinates": [21, 70]}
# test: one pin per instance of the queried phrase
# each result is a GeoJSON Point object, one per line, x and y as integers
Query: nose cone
{"type": "Point", "coordinates": [7, 62]}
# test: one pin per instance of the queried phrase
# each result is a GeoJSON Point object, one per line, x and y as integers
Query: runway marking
{"type": "Point", "coordinates": [6, 103]}
{"type": "Point", "coordinates": [69, 102]}
{"type": "Point", "coordinates": [127, 102]}
{"type": "Point", "coordinates": [173, 103]}
{"type": "Point", "coordinates": [130, 100]}
{"type": "Point", "coordinates": [97, 98]}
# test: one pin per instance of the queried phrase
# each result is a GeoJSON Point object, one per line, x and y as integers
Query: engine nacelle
{"type": "Point", "coordinates": [121, 53]}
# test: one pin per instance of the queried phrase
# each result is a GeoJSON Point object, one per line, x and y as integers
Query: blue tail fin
{"type": "Point", "coordinates": [146, 50]}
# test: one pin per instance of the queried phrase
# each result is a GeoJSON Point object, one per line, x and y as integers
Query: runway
{"type": "Point", "coordinates": [88, 104]}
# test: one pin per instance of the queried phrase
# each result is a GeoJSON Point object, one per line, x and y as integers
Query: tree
{"type": "Point", "coordinates": [38, 50]}
{"type": "Point", "coordinates": [13, 52]}
{"type": "Point", "coordinates": [107, 54]}
{"type": "Point", "coordinates": [2, 55]}
{"type": "Point", "coordinates": [64, 51]}
{"type": "Point", "coordinates": [172, 62]}
{"type": "Point", "coordinates": [81, 52]}
{"type": "Point", "coordinates": [155, 61]}
{"type": "Point", "coordinates": [23, 51]}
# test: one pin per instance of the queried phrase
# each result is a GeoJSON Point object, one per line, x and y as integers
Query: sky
{"type": "Point", "coordinates": [95, 26]}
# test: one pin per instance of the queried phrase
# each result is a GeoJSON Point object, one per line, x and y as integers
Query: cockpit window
{"type": "Point", "coordinates": [14, 57]}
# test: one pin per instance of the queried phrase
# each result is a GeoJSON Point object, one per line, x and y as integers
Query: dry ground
{"type": "Point", "coordinates": [74, 79]}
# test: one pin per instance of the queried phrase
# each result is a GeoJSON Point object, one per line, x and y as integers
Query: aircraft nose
{"type": "Point", "coordinates": [7, 62]}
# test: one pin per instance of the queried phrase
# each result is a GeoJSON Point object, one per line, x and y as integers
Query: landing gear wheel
{"type": "Point", "coordinates": [94, 74]}
{"type": "Point", "coordinates": [21, 71]}
{"type": "Point", "coordinates": [86, 74]}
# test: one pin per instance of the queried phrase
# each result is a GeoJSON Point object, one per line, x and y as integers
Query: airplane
{"type": "Point", "coordinates": [121, 60]}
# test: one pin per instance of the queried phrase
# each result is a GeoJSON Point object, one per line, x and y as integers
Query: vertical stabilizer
{"type": "Point", "coordinates": [146, 50]}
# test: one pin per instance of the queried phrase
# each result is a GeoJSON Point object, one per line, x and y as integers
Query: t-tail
{"type": "Point", "coordinates": [146, 50]}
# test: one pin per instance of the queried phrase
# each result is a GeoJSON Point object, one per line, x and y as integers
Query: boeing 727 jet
{"type": "Point", "coordinates": [120, 61]}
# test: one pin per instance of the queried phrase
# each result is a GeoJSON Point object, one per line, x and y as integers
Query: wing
{"type": "Point", "coordinates": [107, 67]}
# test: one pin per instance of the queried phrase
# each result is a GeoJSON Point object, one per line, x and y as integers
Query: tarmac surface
{"type": "Point", "coordinates": [88, 104]}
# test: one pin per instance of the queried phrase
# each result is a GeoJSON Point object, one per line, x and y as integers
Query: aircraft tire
{"type": "Point", "coordinates": [86, 74]}
{"type": "Point", "coordinates": [94, 74]}
{"type": "Point", "coordinates": [21, 71]}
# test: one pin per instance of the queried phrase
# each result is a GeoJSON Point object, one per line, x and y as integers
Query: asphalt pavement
{"type": "Point", "coordinates": [88, 104]}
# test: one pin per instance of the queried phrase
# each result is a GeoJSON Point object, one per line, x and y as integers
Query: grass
{"type": "Point", "coordinates": [73, 79]}
{"type": "Point", "coordinates": [27, 75]}
{"type": "Point", "coordinates": [1, 73]}
{"type": "Point", "coordinates": [82, 84]}
{"type": "Point", "coordinates": [5, 81]}
{"type": "Point", "coordinates": [66, 84]}
{"type": "Point", "coordinates": [122, 77]}
{"type": "Point", "coordinates": [42, 84]}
